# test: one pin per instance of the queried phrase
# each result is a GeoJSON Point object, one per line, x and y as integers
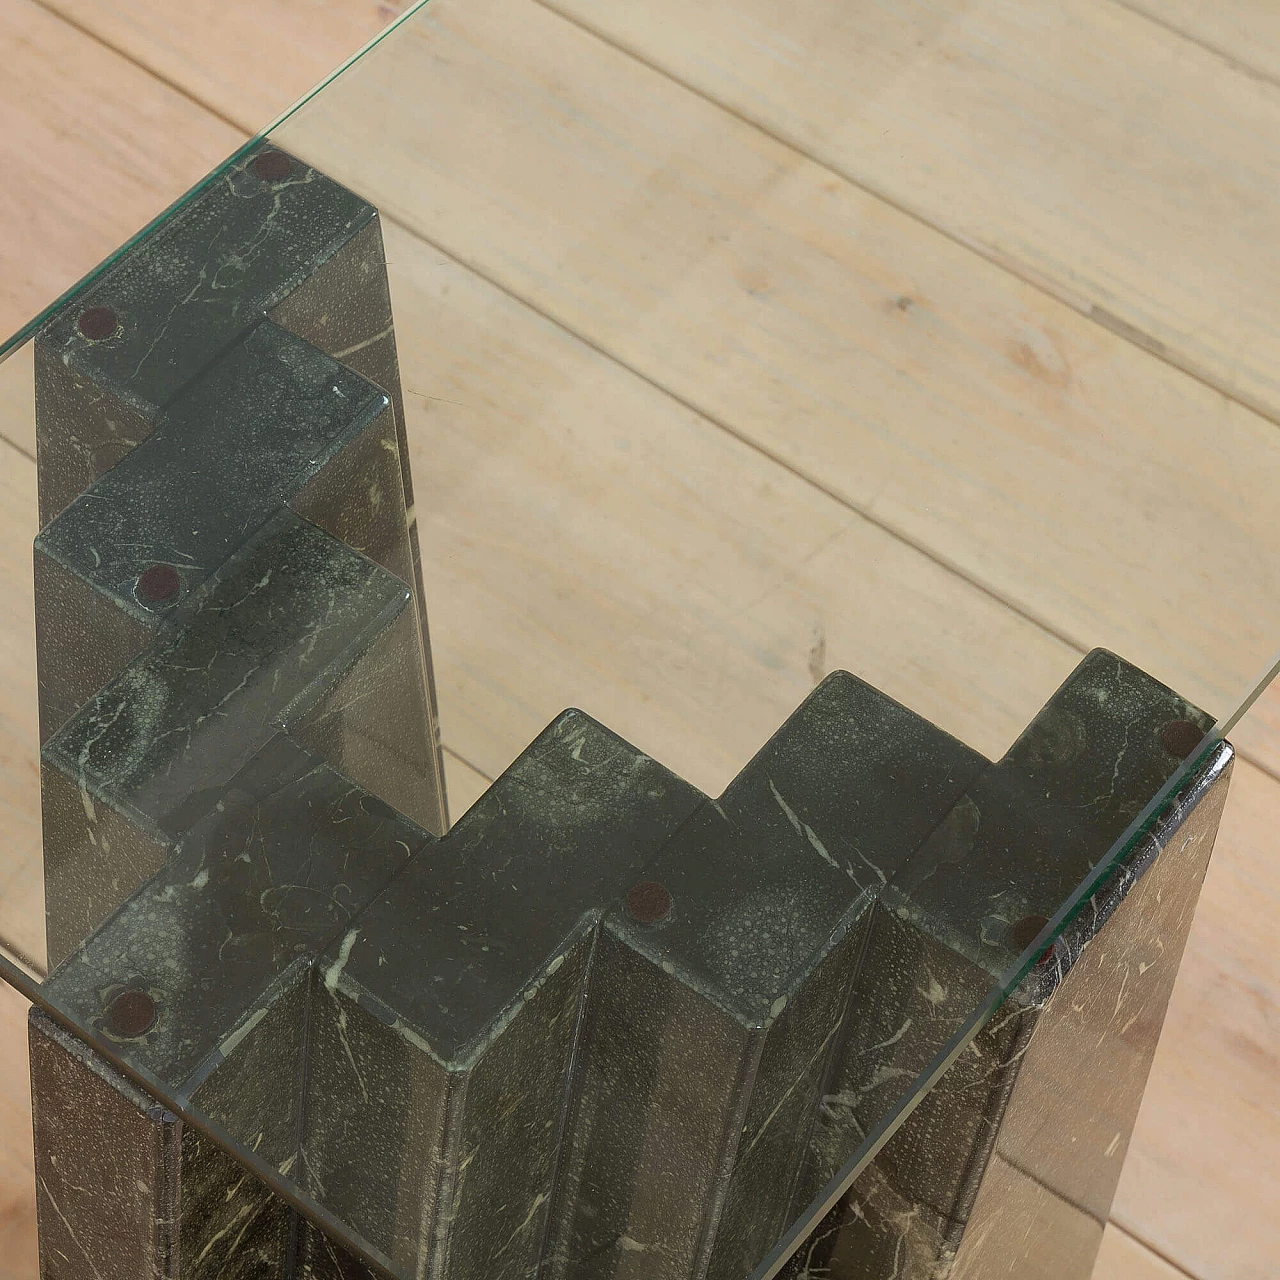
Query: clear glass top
{"type": "Point", "coordinates": [699, 409]}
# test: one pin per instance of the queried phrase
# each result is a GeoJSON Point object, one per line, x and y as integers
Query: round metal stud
{"type": "Point", "coordinates": [271, 166]}
{"type": "Point", "coordinates": [98, 323]}
{"type": "Point", "coordinates": [131, 1014]}
{"type": "Point", "coordinates": [648, 902]}
{"type": "Point", "coordinates": [158, 584]}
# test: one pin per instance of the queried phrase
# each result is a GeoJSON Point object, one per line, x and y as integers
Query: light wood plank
{"type": "Point", "coordinates": [589, 541]}
{"type": "Point", "coordinates": [1116, 162]}
{"type": "Point", "coordinates": [1058, 465]}
{"type": "Point", "coordinates": [18, 1253]}
{"type": "Point", "coordinates": [1199, 1182]}
{"type": "Point", "coordinates": [276, 50]}
{"type": "Point", "coordinates": [1045, 458]}
{"type": "Point", "coordinates": [91, 148]}
{"type": "Point", "coordinates": [1121, 1257]}
{"type": "Point", "coordinates": [1245, 31]}
{"type": "Point", "coordinates": [22, 860]}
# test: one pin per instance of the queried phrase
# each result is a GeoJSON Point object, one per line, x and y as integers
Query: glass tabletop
{"type": "Point", "coordinates": [694, 429]}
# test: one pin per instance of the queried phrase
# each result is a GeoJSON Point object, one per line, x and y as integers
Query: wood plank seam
{"type": "Point", "coordinates": [1234, 63]}
{"type": "Point", "coordinates": [1097, 315]}
{"type": "Point", "coordinates": [1119, 328]}
{"type": "Point", "coordinates": [1154, 1251]}
{"type": "Point", "coordinates": [922, 548]}
{"type": "Point", "coordinates": [934, 556]}
{"type": "Point", "coordinates": [1022, 271]}
{"type": "Point", "coordinates": [754, 445]}
{"type": "Point", "coordinates": [173, 85]}
{"type": "Point", "coordinates": [17, 448]}
{"type": "Point", "coordinates": [449, 751]}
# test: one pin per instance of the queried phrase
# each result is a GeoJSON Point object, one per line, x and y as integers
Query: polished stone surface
{"type": "Point", "coordinates": [124, 1189]}
{"type": "Point", "coordinates": [1009, 1164]}
{"type": "Point", "coordinates": [157, 747]}
{"type": "Point", "coordinates": [709, 1031]}
{"type": "Point", "coordinates": [447, 1015]}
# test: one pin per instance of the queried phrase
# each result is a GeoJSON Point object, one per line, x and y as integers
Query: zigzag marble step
{"type": "Point", "coordinates": [700, 1107]}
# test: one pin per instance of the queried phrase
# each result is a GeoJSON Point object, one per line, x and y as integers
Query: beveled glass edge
{"type": "Point", "coordinates": [13, 972]}
{"type": "Point", "coordinates": [16, 339]}
{"type": "Point", "coordinates": [1141, 826]}
{"type": "Point", "coordinates": [249, 1160]}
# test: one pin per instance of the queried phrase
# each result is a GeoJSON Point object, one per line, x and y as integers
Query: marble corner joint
{"type": "Point", "coordinates": [604, 1026]}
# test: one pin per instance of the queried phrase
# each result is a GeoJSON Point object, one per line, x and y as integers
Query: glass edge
{"type": "Point", "coordinates": [94, 274]}
{"type": "Point", "coordinates": [341, 69]}
{"type": "Point", "coordinates": [26, 985]}
{"type": "Point", "coordinates": [20, 973]}
{"type": "Point", "coordinates": [1141, 826]}
{"type": "Point", "coordinates": [1261, 682]}
{"type": "Point", "coordinates": [16, 956]}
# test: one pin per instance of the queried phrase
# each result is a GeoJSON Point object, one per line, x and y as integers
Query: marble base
{"type": "Point", "coordinates": [1009, 1166]}
{"type": "Point", "coordinates": [604, 1028]}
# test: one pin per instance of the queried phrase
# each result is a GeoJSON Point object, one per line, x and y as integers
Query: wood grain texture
{"type": "Point", "coordinates": [1040, 454]}
{"type": "Point", "coordinates": [1246, 32]}
{"type": "Point", "coordinates": [1036, 452]}
{"type": "Point", "coordinates": [588, 540]}
{"type": "Point", "coordinates": [91, 149]}
{"type": "Point", "coordinates": [274, 50]}
{"type": "Point", "coordinates": [1119, 164]}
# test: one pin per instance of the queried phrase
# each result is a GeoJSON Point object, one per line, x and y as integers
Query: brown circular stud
{"type": "Point", "coordinates": [271, 166]}
{"type": "Point", "coordinates": [648, 902]}
{"type": "Point", "coordinates": [98, 323]}
{"type": "Point", "coordinates": [157, 584]}
{"type": "Point", "coordinates": [1180, 738]}
{"type": "Point", "coordinates": [131, 1014]}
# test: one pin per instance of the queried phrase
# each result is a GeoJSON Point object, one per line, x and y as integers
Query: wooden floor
{"type": "Point", "coordinates": [1066, 214]}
